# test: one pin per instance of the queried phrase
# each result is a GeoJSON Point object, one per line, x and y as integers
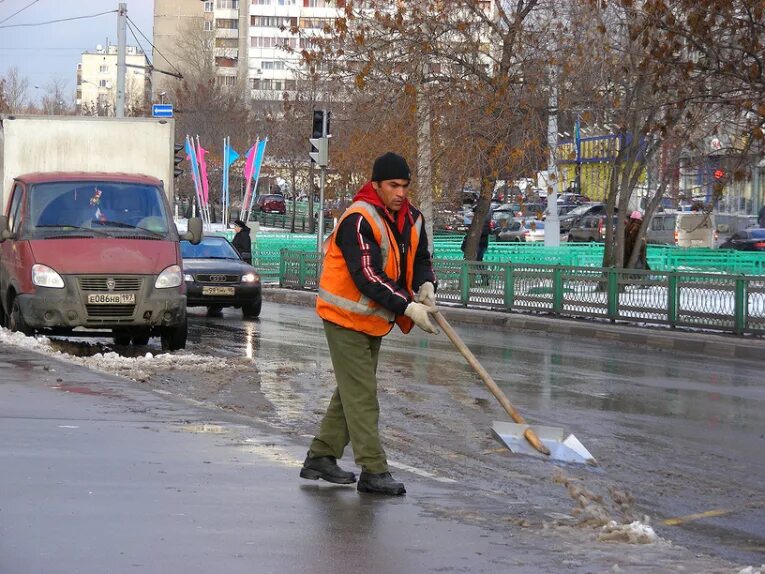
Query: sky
{"type": "Point", "coordinates": [44, 53]}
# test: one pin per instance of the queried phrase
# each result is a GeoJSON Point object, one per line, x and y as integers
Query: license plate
{"type": "Point", "coordinates": [217, 290]}
{"type": "Point", "coordinates": [111, 298]}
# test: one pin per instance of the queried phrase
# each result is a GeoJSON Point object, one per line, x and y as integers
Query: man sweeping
{"type": "Point", "coordinates": [377, 271]}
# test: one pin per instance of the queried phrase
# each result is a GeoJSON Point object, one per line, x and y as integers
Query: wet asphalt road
{"type": "Point", "coordinates": [679, 437]}
{"type": "Point", "coordinates": [676, 435]}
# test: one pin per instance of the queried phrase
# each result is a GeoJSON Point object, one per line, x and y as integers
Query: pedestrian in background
{"type": "Point", "coordinates": [242, 242]}
{"type": "Point", "coordinates": [377, 271]}
{"type": "Point", "coordinates": [631, 232]}
{"type": "Point", "coordinates": [761, 216]}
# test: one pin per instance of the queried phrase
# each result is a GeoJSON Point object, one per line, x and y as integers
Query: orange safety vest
{"type": "Point", "coordinates": [340, 301]}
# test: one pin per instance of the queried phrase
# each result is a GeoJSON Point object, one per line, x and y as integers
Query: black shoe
{"type": "Point", "coordinates": [381, 483]}
{"type": "Point", "coordinates": [325, 467]}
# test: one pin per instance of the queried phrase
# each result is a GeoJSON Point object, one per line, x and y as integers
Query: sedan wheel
{"type": "Point", "coordinates": [251, 310]}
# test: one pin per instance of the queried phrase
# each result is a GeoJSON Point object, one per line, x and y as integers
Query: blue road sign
{"type": "Point", "coordinates": [162, 110]}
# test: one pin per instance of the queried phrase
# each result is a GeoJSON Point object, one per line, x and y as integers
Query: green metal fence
{"type": "Point", "coordinates": [710, 301]}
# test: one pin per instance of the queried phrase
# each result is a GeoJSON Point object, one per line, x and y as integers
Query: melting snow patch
{"type": "Point", "coordinates": [752, 570]}
{"type": "Point", "coordinates": [634, 533]}
{"type": "Point", "coordinates": [136, 368]}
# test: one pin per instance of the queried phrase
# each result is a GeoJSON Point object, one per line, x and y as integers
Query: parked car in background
{"type": "Point", "coordinates": [532, 209]}
{"type": "Point", "coordinates": [527, 230]}
{"type": "Point", "coordinates": [695, 229]}
{"type": "Point", "coordinates": [591, 228]}
{"type": "Point", "coordinates": [271, 203]}
{"type": "Point", "coordinates": [575, 198]}
{"type": "Point", "coordinates": [216, 277]}
{"type": "Point", "coordinates": [752, 239]}
{"type": "Point", "coordinates": [661, 228]}
{"type": "Point", "coordinates": [572, 217]}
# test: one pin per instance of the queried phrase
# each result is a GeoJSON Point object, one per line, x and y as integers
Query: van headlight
{"type": "Point", "coordinates": [44, 276]}
{"type": "Point", "coordinates": [170, 277]}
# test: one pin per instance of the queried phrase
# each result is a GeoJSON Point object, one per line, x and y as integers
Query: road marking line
{"type": "Point", "coordinates": [683, 519]}
{"type": "Point", "coordinates": [417, 471]}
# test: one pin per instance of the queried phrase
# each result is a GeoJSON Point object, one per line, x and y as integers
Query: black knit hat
{"type": "Point", "coordinates": [240, 223]}
{"type": "Point", "coordinates": [390, 166]}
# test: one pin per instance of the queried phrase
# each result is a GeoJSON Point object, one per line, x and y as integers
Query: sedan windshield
{"type": "Point", "coordinates": [209, 248]}
{"type": "Point", "coordinates": [98, 207]}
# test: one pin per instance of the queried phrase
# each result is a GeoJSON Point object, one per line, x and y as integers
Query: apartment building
{"type": "Point", "coordinates": [97, 81]}
{"type": "Point", "coordinates": [256, 48]}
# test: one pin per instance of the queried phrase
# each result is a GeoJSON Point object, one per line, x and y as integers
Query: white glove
{"type": "Point", "coordinates": [426, 294]}
{"type": "Point", "coordinates": [418, 313]}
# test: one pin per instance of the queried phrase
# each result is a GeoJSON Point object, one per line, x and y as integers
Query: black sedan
{"type": "Point", "coordinates": [751, 239]}
{"type": "Point", "coordinates": [216, 277]}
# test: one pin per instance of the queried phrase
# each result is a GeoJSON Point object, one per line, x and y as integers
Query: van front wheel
{"type": "Point", "coordinates": [174, 338]}
{"type": "Point", "coordinates": [16, 320]}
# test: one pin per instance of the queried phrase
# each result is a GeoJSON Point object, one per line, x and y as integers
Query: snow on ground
{"type": "Point", "coordinates": [136, 368]}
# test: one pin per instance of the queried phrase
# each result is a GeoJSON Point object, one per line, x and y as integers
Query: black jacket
{"type": "Point", "coordinates": [363, 257]}
{"type": "Point", "coordinates": [242, 243]}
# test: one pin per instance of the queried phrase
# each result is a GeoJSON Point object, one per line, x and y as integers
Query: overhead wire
{"type": "Point", "coordinates": [54, 21]}
{"type": "Point", "coordinates": [20, 10]}
{"type": "Point", "coordinates": [137, 41]}
{"type": "Point", "coordinates": [153, 47]}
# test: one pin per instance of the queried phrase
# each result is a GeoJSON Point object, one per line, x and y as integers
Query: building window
{"type": "Point", "coordinates": [227, 24]}
{"type": "Point", "coordinates": [226, 80]}
{"type": "Point", "coordinates": [208, 26]}
{"type": "Point", "coordinates": [273, 65]}
{"type": "Point", "coordinates": [227, 4]}
{"type": "Point", "coordinates": [262, 2]}
{"type": "Point", "coordinates": [208, 6]}
{"type": "Point", "coordinates": [103, 83]}
{"type": "Point", "coordinates": [226, 42]}
{"type": "Point", "coordinates": [103, 68]}
{"type": "Point", "coordinates": [273, 22]}
{"type": "Point", "coordinates": [314, 4]}
{"type": "Point", "coordinates": [272, 42]}
{"type": "Point", "coordinates": [316, 23]}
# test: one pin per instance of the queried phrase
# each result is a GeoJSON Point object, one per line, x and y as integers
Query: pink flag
{"type": "Point", "coordinates": [249, 167]}
{"type": "Point", "coordinates": [203, 170]}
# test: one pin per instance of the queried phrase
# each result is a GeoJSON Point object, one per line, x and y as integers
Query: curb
{"type": "Point", "coordinates": [661, 339]}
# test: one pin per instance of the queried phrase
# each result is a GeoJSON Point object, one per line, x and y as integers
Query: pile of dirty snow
{"type": "Point", "coordinates": [136, 368]}
{"type": "Point", "coordinates": [635, 532]}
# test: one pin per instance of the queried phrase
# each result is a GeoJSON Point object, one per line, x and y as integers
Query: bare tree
{"type": "Point", "coordinates": [56, 100]}
{"type": "Point", "coordinates": [15, 91]}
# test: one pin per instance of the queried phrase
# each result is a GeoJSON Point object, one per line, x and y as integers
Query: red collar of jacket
{"type": "Point", "coordinates": [367, 193]}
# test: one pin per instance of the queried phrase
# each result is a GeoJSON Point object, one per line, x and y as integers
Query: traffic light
{"type": "Point", "coordinates": [318, 124]}
{"type": "Point", "coordinates": [320, 138]}
{"type": "Point", "coordinates": [319, 151]}
{"type": "Point", "coordinates": [179, 148]}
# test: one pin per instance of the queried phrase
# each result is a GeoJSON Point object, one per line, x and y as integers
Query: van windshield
{"type": "Point", "coordinates": [98, 207]}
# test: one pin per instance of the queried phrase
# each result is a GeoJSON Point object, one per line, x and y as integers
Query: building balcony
{"type": "Point", "coordinates": [226, 33]}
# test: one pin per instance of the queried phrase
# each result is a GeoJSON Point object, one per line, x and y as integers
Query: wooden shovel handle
{"type": "Point", "coordinates": [530, 435]}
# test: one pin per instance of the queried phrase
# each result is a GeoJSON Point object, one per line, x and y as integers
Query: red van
{"type": "Point", "coordinates": [93, 251]}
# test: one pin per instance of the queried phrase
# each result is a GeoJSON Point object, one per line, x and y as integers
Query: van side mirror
{"type": "Point", "coordinates": [194, 231]}
{"type": "Point", "coordinates": [5, 233]}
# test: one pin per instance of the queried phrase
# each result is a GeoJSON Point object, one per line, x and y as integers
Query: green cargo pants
{"type": "Point", "coordinates": [353, 412]}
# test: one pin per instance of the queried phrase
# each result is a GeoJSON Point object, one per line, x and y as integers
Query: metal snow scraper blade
{"type": "Point", "coordinates": [545, 442]}
{"type": "Point", "coordinates": [561, 447]}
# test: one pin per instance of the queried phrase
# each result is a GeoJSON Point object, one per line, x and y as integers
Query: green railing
{"type": "Point", "coordinates": [710, 301]}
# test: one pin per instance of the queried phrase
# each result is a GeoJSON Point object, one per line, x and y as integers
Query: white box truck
{"type": "Point", "coordinates": [87, 238]}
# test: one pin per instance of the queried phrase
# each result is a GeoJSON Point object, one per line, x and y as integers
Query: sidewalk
{"type": "Point", "coordinates": [661, 339]}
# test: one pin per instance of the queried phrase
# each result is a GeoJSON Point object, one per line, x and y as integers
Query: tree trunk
{"type": "Point", "coordinates": [424, 159]}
